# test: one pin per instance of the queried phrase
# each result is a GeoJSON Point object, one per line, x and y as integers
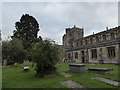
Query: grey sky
{"type": "Point", "coordinates": [53, 17]}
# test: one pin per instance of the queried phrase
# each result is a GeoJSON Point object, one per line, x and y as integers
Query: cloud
{"type": "Point", "coordinates": [53, 18]}
{"type": "Point", "coordinates": [0, 16]}
{"type": "Point", "coordinates": [59, 0]}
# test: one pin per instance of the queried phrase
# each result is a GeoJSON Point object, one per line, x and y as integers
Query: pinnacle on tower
{"type": "Point", "coordinates": [74, 26]}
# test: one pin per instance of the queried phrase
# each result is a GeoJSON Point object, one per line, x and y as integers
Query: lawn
{"type": "Point", "coordinates": [14, 77]}
{"type": "Point", "coordinates": [0, 77]}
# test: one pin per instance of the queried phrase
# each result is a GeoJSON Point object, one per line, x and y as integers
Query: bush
{"type": "Point", "coordinates": [13, 51]}
{"type": "Point", "coordinates": [45, 55]}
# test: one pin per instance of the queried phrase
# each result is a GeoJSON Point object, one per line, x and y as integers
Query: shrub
{"type": "Point", "coordinates": [45, 55]}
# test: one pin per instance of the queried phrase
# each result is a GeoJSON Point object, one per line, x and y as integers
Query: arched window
{"type": "Point", "coordinates": [97, 39]}
{"type": "Point", "coordinates": [104, 37]}
{"type": "Point", "coordinates": [94, 53]}
{"type": "Point", "coordinates": [86, 41]}
{"type": "Point", "coordinates": [112, 35]}
{"type": "Point", "coordinates": [77, 44]}
{"type": "Point", "coordinates": [76, 55]}
{"type": "Point", "coordinates": [81, 42]}
{"type": "Point", "coordinates": [69, 56]}
{"type": "Point", "coordinates": [111, 52]}
{"type": "Point", "coordinates": [91, 40]}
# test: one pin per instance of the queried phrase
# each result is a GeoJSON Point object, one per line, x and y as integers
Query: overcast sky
{"type": "Point", "coordinates": [53, 17]}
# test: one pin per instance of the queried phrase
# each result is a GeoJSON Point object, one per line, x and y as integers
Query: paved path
{"type": "Point", "coordinates": [71, 84]}
{"type": "Point", "coordinates": [107, 81]}
{"type": "Point", "coordinates": [65, 74]}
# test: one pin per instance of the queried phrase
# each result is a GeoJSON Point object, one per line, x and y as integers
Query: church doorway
{"type": "Point", "coordinates": [83, 60]}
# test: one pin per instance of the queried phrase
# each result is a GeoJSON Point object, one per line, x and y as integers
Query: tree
{"type": "Point", "coordinates": [13, 51]}
{"type": "Point", "coordinates": [26, 30]}
{"type": "Point", "coordinates": [6, 50]}
{"type": "Point", "coordinates": [45, 55]}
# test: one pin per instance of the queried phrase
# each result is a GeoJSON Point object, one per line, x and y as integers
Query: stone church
{"type": "Point", "coordinates": [102, 47]}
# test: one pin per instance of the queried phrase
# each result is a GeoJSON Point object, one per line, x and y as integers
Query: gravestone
{"type": "Point", "coordinates": [115, 83]}
{"type": "Point", "coordinates": [65, 74]}
{"type": "Point", "coordinates": [100, 70]}
{"type": "Point", "coordinates": [64, 60]}
{"type": "Point", "coordinates": [71, 84]}
{"type": "Point", "coordinates": [15, 64]}
{"type": "Point", "coordinates": [4, 62]}
{"type": "Point", "coordinates": [77, 68]}
{"type": "Point", "coordinates": [26, 65]}
{"type": "Point", "coordinates": [26, 62]}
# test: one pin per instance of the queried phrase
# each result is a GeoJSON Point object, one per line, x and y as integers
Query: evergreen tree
{"type": "Point", "coordinates": [26, 30]}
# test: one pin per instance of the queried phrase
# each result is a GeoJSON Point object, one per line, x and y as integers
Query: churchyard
{"type": "Point", "coordinates": [15, 77]}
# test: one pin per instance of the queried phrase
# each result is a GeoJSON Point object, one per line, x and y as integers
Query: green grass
{"type": "Point", "coordinates": [0, 78]}
{"type": "Point", "coordinates": [14, 77]}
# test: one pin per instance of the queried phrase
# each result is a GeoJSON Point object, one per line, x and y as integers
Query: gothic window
{"type": "Point", "coordinates": [82, 53]}
{"type": "Point", "coordinates": [112, 35]}
{"type": "Point", "coordinates": [81, 42]}
{"type": "Point", "coordinates": [111, 52]}
{"type": "Point", "coordinates": [77, 44]}
{"type": "Point", "coordinates": [91, 41]}
{"type": "Point", "coordinates": [104, 37]}
{"type": "Point", "coordinates": [70, 35]}
{"type": "Point", "coordinates": [86, 42]}
{"type": "Point", "coordinates": [76, 55]}
{"type": "Point", "coordinates": [97, 39]}
{"type": "Point", "coordinates": [119, 34]}
{"type": "Point", "coordinates": [69, 56]}
{"type": "Point", "coordinates": [94, 53]}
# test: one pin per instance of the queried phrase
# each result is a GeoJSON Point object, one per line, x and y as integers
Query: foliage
{"type": "Point", "coordinates": [13, 51]}
{"type": "Point", "coordinates": [6, 50]}
{"type": "Point", "coordinates": [45, 55]}
{"type": "Point", "coordinates": [26, 30]}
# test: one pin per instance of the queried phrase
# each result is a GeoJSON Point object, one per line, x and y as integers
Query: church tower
{"type": "Point", "coordinates": [72, 34]}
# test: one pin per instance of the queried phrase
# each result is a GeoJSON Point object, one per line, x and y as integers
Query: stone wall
{"type": "Point", "coordinates": [104, 55]}
{"type": "Point", "coordinates": [101, 55]}
{"type": "Point", "coordinates": [99, 37]}
{"type": "Point", "coordinates": [100, 41]}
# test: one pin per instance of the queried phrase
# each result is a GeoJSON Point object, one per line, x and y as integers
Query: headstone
{"type": "Point", "coordinates": [100, 70]}
{"type": "Point", "coordinates": [26, 65]}
{"type": "Point", "coordinates": [71, 84]}
{"type": "Point", "coordinates": [4, 62]}
{"type": "Point", "coordinates": [15, 64]}
{"type": "Point", "coordinates": [65, 74]}
{"type": "Point", "coordinates": [64, 60]}
{"type": "Point", "coordinates": [26, 62]}
{"type": "Point", "coordinates": [115, 83]}
{"type": "Point", "coordinates": [77, 68]}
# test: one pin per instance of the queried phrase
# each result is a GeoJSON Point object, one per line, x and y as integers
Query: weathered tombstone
{"type": "Point", "coordinates": [100, 70]}
{"type": "Point", "coordinates": [15, 64]}
{"type": "Point", "coordinates": [115, 83]}
{"type": "Point", "coordinates": [4, 62]}
{"type": "Point", "coordinates": [26, 65]}
{"type": "Point", "coordinates": [26, 62]}
{"type": "Point", "coordinates": [72, 84]}
{"type": "Point", "coordinates": [64, 60]}
{"type": "Point", "coordinates": [77, 68]}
